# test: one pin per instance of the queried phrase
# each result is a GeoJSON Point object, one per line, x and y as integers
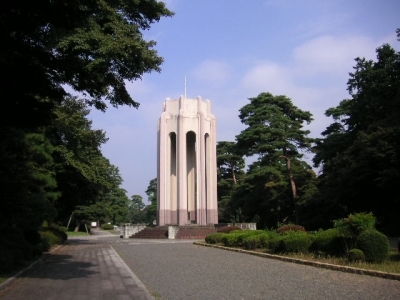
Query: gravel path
{"type": "Point", "coordinates": [181, 270]}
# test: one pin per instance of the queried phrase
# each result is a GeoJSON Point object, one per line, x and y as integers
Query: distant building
{"type": "Point", "coordinates": [187, 163]}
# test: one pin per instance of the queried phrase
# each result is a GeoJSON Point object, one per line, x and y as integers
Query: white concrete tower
{"type": "Point", "coordinates": [187, 163]}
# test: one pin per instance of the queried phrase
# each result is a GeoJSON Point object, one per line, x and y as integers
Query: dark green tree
{"type": "Point", "coordinates": [360, 151]}
{"type": "Point", "coordinates": [136, 212]}
{"type": "Point", "coordinates": [275, 137]}
{"type": "Point", "coordinates": [91, 46]}
{"type": "Point", "coordinates": [151, 209]}
{"type": "Point", "coordinates": [230, 171]}
{"type": "Point", "coordinates": [27, 183]}
{"type": "Point", "coordinates": [83, 174]}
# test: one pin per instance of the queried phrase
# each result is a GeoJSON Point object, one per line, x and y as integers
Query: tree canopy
{"type": "Point", "coordinates": [91, 46]}
{"type": "Point", "coordinates": [360, 151]}
{"type": "Point", "coordinates": [275, 137]}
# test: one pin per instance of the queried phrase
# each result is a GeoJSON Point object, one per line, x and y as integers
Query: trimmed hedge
{"type": "Point", "coordinates": [374, 244]}
{"type": "Point", "coordinates": [228, 229]}
{"type": "Point", "coordinates": [290, 227]}
{"type": "Point", "coordinates": [296, 241]}
{"type": "Point", "coordinates": [329, 241]}
{"type": "Point", "coordinates": [214, 238]}
{"type": "Point", "coordinates": [107, 226]}
{"type": "Point", "coordinates": [259, 240]}
{"type": "Point", "coordinates": [356, 255]}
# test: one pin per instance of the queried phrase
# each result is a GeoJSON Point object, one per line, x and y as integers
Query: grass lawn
{"type": "Point", "coordinates": [79, 233]}
{"type": "Point", "coordinates": [391, 265]}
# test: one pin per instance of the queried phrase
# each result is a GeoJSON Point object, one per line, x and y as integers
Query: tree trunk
{"type": "Point", "coordinates": [78, 224]}
{"type": "Point", "coordinates": [292, 185]}
{"type": "Point", "coordinates": [233, 174]}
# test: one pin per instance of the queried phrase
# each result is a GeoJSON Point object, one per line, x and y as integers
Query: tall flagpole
{"type": "Point", "coordinates": [185, 86]}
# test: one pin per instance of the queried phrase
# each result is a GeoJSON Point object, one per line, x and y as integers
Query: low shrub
{"type": "Point", "coordinates": [107, 226]}
{"type": "Point", "coordinates": [296, 241]}
{"type": "Point", "coordinates": [214, 238]}
{"type": "Point", "coordinates": [255, 241]}
{"type": "Point", "coordinates": [290, 227]}
{"type": "Point", "coordinates": [374, 244]}
{"type": "Point", "coordinates": [62, 228]}
{"type": "Point", "coordinates": [275, 243]}
{"type": "Point", "coordinates": [329, 241]}
{"type": "Point", "coordinates": [49, 239]}
{"type": "Point", "coordinates": [60, 234]}
{"type": "Point", "coordinates": [241, 235]}
{"type": "Point", "coordinates": [228, 229]}
{"type": "Point", "coordinates": [231, 239]}
{"type": "Point", "coordinates": [356, 255]}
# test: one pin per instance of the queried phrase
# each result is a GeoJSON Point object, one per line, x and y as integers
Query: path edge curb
{"type": "Point", "coordinates": [392, 276]}
{"type": "Point", "coordinates": [10, 281]}
{"type": "Point", "coordinates": [133, 275]}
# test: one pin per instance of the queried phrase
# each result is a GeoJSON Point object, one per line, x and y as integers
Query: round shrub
{"type": "Point", "coordinates": [374, 244]}
{"type": "Point", "coordinates": [329, 241]}
{"type": "Point", "coordinates": [48, 240]}
{"type": "Point", "coordinates": [228, 229]}
{"type": "Point", "coordinates": [61, 235]}
{"type": "Point", "coordinates": [290, 227]}
{"type": "Point", "coordinates": [296, 241]}
{"type": "Point", "coordinates": [62, 228]}
{"type": "Point", "coordinates": [356, 255]}
{"type": "Point", "coordinates": [214, 238]}
{"type": "Point", "coordinates": [107, 226]}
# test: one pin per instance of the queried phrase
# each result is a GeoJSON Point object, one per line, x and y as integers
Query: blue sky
{"type": "Point", "coordinates": [232, 50]}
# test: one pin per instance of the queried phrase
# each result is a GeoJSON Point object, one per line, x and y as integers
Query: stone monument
{"type": "Point", "coordinates": [187, 163]}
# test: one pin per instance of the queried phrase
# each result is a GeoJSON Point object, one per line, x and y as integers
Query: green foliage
{"type": "Point", "coordinates": [275, 183]}
{"type": "Point", "coordinates": [374, 244]}
{"type": "Point", "coordinates": [275, 243]}
{"type": "Point", "coordinates": [27, 185]}
{"type": "Point", "coordinates": [53, 235]}
{"type": "Point", "coordinates": [151, 192]}
{"type": "Point", "coordinates": [260, 240]}
{"type": "Point", "coordinates": [92, 47]}
{"type": "Point", "coordinates": [360, 151]}
{"type": "Point", "coordinates": [290, 227]}
{"type": "Point", "coordinates": [329, 241]}
{"type": "Point", "coordinates": [353, 225]}
{"type": "Point", "coordinates": [136, 212]}
{"type": "Point", "coordinates": [227, 229]}
{"type": "Point", "coordinates": [107, 226]}
{"type": "Point", "coordinates": [85, 177]}
{"type": "Point", "coordinates": [230, 240]}
{"type": "Point", "coordinates": [296, 241]}
{"type": "Point", "coordinates": [48, 151]}
{"type": "Point", "coordinates": [214, 238]}
{"type": "Point", "coordinates": [230, 165]}
{"type": "Point", "coordinates": [356, 255]}
{"type": "Point", "coordinates": [49, 239]}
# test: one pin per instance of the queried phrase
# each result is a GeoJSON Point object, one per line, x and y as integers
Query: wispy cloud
{"type": "Point", "coordinates": [213, 71]}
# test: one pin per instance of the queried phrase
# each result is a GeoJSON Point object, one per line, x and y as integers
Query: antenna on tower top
{"type": "Point", "coordinates": [185, 86]}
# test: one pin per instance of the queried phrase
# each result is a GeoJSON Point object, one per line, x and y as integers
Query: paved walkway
{"type": "Point", "coordinates": [90, 268]}
{"type": "Point", "coordinates": [85, 268]}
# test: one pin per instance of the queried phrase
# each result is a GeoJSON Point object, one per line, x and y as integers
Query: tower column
{"type": "Point", "coordinates": [187, 169]}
